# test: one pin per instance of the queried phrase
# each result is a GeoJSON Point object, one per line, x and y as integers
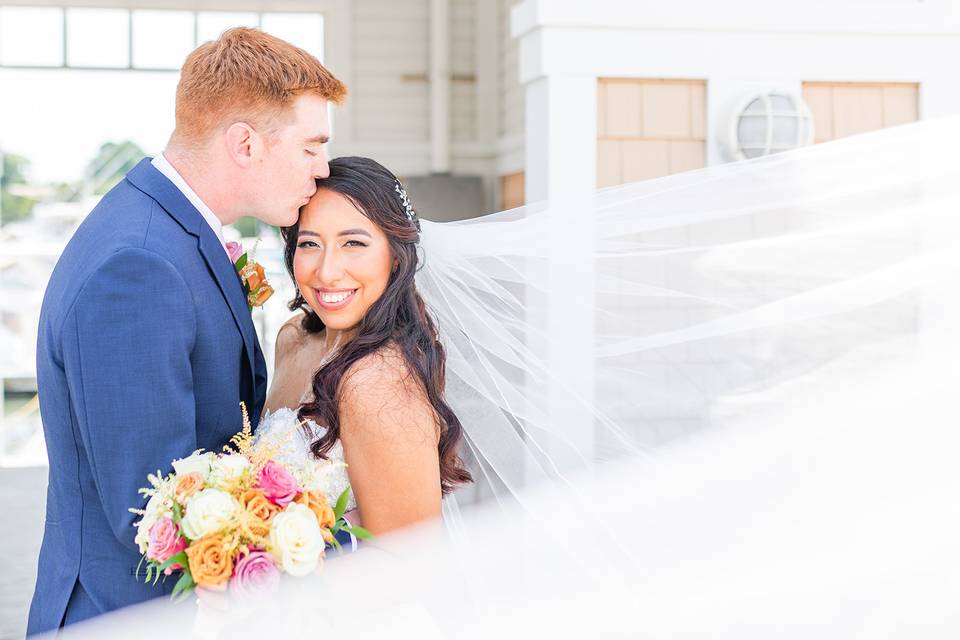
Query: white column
{"type": "Point", "coordinates": [561, 116]}
{"type": "Point", "coordinates": [338, 57]}
{"type": "Point", "coordinates": [561, 136]}
{"type": "Point", "coordinates": [440, 86]}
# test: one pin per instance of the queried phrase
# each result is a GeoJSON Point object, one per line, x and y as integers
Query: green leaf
{"type": "Point", "coordinates": [184, 585]}
{"type": "Point", "coordinates": [342, 501]}
{"type": "Point", "coordinates": [335, 544]}
{"type": "Point", "coordinates": [177, 512]}
{"type": "Point", "coordinates": [180, 558]}
{"type": "Point", "coordinates": [140, 564]}
{"type": "Point", "coordinates": [149, 574]}
{"type": "Point", "coordinates": [241, 262]}
{"type": "Point", "coordinates": [359, 532]}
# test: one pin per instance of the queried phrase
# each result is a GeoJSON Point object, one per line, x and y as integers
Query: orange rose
{"type": "Point", "coordinates": [317, 503]}
{"type": "Point", "coordinates": [259, 296]}
{"type": "Point", "coordinates": [187, 485]}
{"type": "Point", "coordinates": [260, 511]}
{"type": "Point", "coordinates": [256, 277]}
{"type": "Point", "coordinates": [210, 564]}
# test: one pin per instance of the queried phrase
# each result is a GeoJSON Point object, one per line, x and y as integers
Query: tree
{"type": "Point", "coordinates": [110, 165]}
{"type": "Point", "coordinates": [14, 207]}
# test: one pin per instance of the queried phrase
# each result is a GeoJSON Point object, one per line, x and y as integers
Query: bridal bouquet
{"type": "Point", "coordinates": [237, 520]}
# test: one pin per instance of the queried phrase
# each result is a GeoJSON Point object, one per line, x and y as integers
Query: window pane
{"type": "Point", "coordinates": [98, 38]}
{"type": "Point", "coordinates": [161, 39]}
{"type": "Point", "coordinates": [210, 24]}
{"type": "Point", "coordinates": [784, 104]}
{"type": "Point", "coordinates": [786, 131]}
{"type": "Point", "coordinates": [302, 29]}
{"type": "Point", "coordinates": [752, 131]}
{"type": "Point", "coordinates": [31, 36]}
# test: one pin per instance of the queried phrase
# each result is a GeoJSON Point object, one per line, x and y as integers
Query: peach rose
{"type": "Point", "coordinates": [187, 485]}
{"type": "Point", "coordinates": [256, 278]}
{"type": "Point", "coordinates": [260, 296]}
{"type": "Point", "coordinates": [260, 509]}
{"type": "Point", "coordinates": [210, 564]}
{"type": "Point", "coordinates": [317, 503]}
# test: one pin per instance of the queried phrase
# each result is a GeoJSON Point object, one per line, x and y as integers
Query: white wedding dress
{"type": "Point", "coordinates": [281, 430]}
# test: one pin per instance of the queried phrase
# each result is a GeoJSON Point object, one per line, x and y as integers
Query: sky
{"type": "Point", "coordinates": [59, 118]}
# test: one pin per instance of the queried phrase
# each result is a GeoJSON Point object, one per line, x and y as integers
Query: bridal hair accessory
{"type": "Point", "coordinates": [407, 207]}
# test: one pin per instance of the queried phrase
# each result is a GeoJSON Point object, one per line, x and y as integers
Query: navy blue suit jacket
{"type": "Point", "coordinates": [145, 350]}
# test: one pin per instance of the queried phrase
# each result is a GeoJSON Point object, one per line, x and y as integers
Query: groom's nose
{"type": "Point", "coordinates": [321, 168]}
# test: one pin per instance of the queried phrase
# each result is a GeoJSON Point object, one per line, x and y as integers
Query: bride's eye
{"type": "Point", "coordinates": [306, 244]}
{"type": "Point", "coordinates": [354, 243]}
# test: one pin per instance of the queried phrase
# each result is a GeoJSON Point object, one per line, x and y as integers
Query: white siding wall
{"type": "Point", "coordinates": [463, 66]}
{"type": "Point", "coordinates": [388, 110]}
{"type": "Point", "coordinates": [512, 101]}
{"type": "Point", "coordinates": [389, 92]}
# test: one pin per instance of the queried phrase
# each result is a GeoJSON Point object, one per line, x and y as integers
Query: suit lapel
{"type": "Point", "coordinates": [229, 282]}
{"type": "Point", "coordinates": [148, 179]}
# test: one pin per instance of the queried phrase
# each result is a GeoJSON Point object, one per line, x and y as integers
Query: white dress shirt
{"type": "Point", "coordinates": [163, 166]}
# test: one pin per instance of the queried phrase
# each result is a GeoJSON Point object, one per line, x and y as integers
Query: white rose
{"type": "Point", "coordinates": [226, 471]}
{"type": "Point", "coordinates": [207, 512]}
{"type": "Point", "coordinates": [196, 463]}
{"type": "Point", "coordinates": [295, 540]}
{"type": "Point", "coordinates": [158, 506]}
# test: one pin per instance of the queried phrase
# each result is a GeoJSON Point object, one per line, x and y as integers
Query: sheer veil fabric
{"type": "Point", "coordinates": [608, 325]}
{"type": "Point", "coordinates": [717, 404]}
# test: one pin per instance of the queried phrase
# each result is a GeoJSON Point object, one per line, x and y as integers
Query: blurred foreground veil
{"type": "Point", "coordinates": [717, 404]}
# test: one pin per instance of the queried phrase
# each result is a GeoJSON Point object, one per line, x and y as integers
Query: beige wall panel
{"type": "Point", "coordinates": [609, 164]}
{"type": "Point", "coordinates": [648, 128]}
{"type": "Point", "coordinates": [857, 109]}
{"type": "Point", "coordinates": [666, 110]}
{"type": "Point", "coordinates": [687, 155]}
{"type": "Point", "coordinates": [512, 191]}
{"type": "Point", "coordinates": [601, 109]}
{"type": "Point", "coordinates": [645, 159]}
{"type": "Point", "coordinates": [900, 104]}
{"type": "Point", "coordinates": [698, 110]}
{"type": "Point", "coordinates": [820, 100]}
{"type": "Point", "coordinates": [622, 108]}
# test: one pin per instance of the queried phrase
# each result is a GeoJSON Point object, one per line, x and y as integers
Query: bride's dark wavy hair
{"type": "Point", "coordinates": [399, 317]}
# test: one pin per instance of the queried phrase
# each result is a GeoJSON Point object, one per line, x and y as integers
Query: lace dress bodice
{"type": "Point", "coordinates": [290, 443]}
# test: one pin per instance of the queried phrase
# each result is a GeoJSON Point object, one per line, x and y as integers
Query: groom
{"type": "Point", "coordinates": [146, 346]}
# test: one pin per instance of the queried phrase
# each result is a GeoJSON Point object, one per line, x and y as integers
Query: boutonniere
{"type": "Point", "coordinates": [254, 280]}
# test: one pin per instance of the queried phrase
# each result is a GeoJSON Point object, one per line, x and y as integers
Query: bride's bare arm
{"type": "Point", "coordinates": [389, 435]}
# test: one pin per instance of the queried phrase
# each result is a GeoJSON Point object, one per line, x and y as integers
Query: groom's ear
{"type": "Point", "coordinates": [241, 141]}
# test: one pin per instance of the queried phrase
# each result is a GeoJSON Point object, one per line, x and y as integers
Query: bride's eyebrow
{"type": "Point", "coordinates": [355, 232]}
{"type": "Point", "coordinates": [346, 232]}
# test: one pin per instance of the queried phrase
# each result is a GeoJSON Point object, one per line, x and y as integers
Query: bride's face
{"type": "Point", "coordinates": [342, 263]}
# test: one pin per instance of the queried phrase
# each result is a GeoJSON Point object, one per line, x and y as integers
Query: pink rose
{"type": "Point", "coordinates": [165, 542]}
{"type": "Point", "coordinates": [234, 250]}
{"type": "Point", "coordinates": [277, 484]}
{"type": "Point", "coordinates": [255, 575]}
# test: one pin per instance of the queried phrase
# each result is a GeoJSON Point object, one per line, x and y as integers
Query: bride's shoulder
{"type": "Point", "coordinates": [384, 368]}
{"type": "Point", "coordinates": [291, 335]}
{"type": "Point", "coordinates": [381, 393]}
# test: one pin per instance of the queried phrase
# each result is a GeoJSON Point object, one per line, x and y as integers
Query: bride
{"type": "Point", "coordinates": [359, 373]}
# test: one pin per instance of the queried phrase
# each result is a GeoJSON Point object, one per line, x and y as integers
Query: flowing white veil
{"type": "Point", "coordinates": [584, 330]}
{"type": "Point", "coordinates": [720, 403]}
